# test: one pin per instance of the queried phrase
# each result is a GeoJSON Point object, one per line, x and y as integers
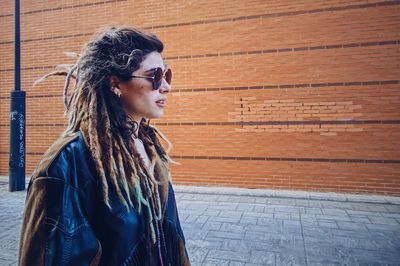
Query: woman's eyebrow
{"type": "Point", "coordinates": [151, 69]}
{"type": "Point", "coordinates": [154, 68]}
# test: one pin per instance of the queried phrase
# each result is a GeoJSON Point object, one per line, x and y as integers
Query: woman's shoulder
{"type": "Point", "coordinates": [67, 158]}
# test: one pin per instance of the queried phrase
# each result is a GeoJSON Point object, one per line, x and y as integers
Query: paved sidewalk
{"type": "Point", "coordinates": [225, 226]}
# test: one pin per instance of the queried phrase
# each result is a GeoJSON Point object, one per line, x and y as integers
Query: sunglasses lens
{"type": "Point", "coordinates": [168, 76]}
{"type": "Point", "coordinates": [158, 76]}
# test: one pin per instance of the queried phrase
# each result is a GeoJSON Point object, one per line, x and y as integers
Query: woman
{"type": "Point", "coordinates": [102, 193]}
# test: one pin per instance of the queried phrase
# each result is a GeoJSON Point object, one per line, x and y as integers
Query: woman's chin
{"type": "Point", "coordinates": [157, 114]}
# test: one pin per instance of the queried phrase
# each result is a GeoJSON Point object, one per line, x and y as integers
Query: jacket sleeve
{"type": "Point", "coordinates": [54, 229]}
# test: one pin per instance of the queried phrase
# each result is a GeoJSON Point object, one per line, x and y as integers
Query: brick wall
{"type": "Point", "coordinates": [266, 94]}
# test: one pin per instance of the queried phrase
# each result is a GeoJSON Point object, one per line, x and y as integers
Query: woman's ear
{"type": "Point", "coordinates": [116, 91]}
{"type": "Point", "coordinates": [114, 85]}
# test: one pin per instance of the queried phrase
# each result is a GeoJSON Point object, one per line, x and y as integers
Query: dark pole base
{"type": "Point", "coordinates": [17, 141]}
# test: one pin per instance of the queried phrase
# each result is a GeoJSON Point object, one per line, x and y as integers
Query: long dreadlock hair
{"type": "Point", "coordinates": [107, 130]}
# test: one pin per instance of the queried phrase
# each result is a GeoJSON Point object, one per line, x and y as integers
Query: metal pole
{"type": "Point", "coordinates": [17, 119]}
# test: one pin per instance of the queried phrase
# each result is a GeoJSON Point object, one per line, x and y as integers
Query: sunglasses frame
{"type": "Point", "coordinates": [157, 72]}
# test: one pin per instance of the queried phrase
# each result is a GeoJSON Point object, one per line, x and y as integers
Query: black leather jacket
{"type": "Point", "coordinates": [66, 223]}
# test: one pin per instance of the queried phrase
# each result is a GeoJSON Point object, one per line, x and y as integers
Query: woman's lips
{"type": "Point", "coordinates": [161, 103]}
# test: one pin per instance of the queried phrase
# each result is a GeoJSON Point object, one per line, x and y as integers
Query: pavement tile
{"type": "Point", "coordinates": [248, 220]}
{"type": "Point", "coordinates": [225, 213]}
{"type": "Point", "coordinates": [334, 212]}
{"type": "Point", "coordinates": [393, 208]}
{"type": "Point", "coordinates": [214, 262]}
{"type": "Point", "coordinates": [357, 206]}
{"type": "Point", "coordinates": [328, 255]}
{"type": "Point", "coordinates": [284, 240]}
{"type": "Point", "coordinates": [377, 208]}
{"type": "Point", "coordinates": [315, 203]}
{"type": "Point", "coordinates": [209, 225]}
{"type": "Point", "coordinates": [210, 212]}
{"type": "Point", "coordinates": [187, 196]}
{"type": "Point", "coordinates": [383, 220]}
{"type": "Point", "coordinates": [302, 202]}
{"type": "Point", "coordinates": [291, 223]}
{"type": "Point", "coordinates": [193, 244]}
{"type": "Point", "coordinates": [246, 199]}
{"type": "Point", "coordinates": [197, 254]}
{"type": "Point", "coordinates": [262, 258]}
{"type": "Point", "coordinates": [191, 218]}
{"type": "Point", "coordinates": [202, 219]}
{"type": "Point", "coordinates": [333, 204]}
{"type": "Point", "coordinates": [224, 206]}
{"type": "Point", "coordinates": [286, 209]}
{"type": "Point", "coordinates": [237, 245]}
{"type": "Point", "coordinates": [224, 235]}
{"type": "Point", "coordinates": [6, 262]}
{"type": "Point", "coordinates": [233, 219]}
{"type": "Point", "coordinates": [333, 217]}
{"type": "Point", "coordinates": [237, 263]}
{"type": "Point", "coordinates": [307, 216]}
{"type": "Point", "coordinates": [245, 207]}
{"type": "Point", "coordinates": [258, 215]}
{"type": "Point", "coordinates": [363, 234]}
{"type": "Point", "coordinates": [259, 208]}
{"type": "Point", "coordinates": [198, 206]}
{"type": "Point", "coordinates": [282, 215]}
{"type": "Point", "coordinates": [268, 220]}
{"type": "Point", "coordinates": [310, 223]}
{"type": "Point", "coordinates": [254, 235]}
{"type": "Point", "coordinates": [391, 215]}
{"type": "Point", "coordinates": [384, 227]}
{"type": "Point", "coordinates": [256, 228]}
{"type": "Point", "coordinates": [360, 219]}
{"type": "Point", "coordinates": [233, 199]}
{"type": "Point", "coordinates": [224, 198]}
{"type": "Point", "coordinates": [229, 227]}
{"type": "Point", "coordinates": [328, 224]}
{"type": "Point", "coordinates": [351, 226]}
{"type": "Point", "coordinates": [387, 244]}
{"type": "Point", "coordinates": [242, 256]}
{"type": "Point", "coordinates": [339, 241]}
{"type": "Point", "coordinates": [364, 257]}
{"type": "Point", "coordinates": [292, 258]}
{"type": "Point", "coordinates": [262, 200]}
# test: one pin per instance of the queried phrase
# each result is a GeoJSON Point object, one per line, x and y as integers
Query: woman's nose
{"type": "Point", "coordinates": [165, 87]}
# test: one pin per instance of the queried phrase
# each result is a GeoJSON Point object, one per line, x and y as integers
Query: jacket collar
{"type": "Point", "coordinates": [161, 170]}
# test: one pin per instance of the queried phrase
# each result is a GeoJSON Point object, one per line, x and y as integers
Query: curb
{"type": "Point", "coordinates": [277, 193]}
{"type": "Point", "coordinates": [291, 194]}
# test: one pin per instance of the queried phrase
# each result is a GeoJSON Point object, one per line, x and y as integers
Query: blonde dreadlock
{"type": "Point", "coordinates": [107, 130]}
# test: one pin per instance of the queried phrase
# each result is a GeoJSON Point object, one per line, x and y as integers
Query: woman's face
{"type": "Point", "coordinates": [138, 98]}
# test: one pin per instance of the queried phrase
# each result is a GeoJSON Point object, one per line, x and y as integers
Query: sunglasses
{"type": "Point", "coordinates": [157, 77]}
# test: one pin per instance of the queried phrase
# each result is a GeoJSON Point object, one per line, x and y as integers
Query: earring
{"type": "Point", "coordinates": [116, 91]}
